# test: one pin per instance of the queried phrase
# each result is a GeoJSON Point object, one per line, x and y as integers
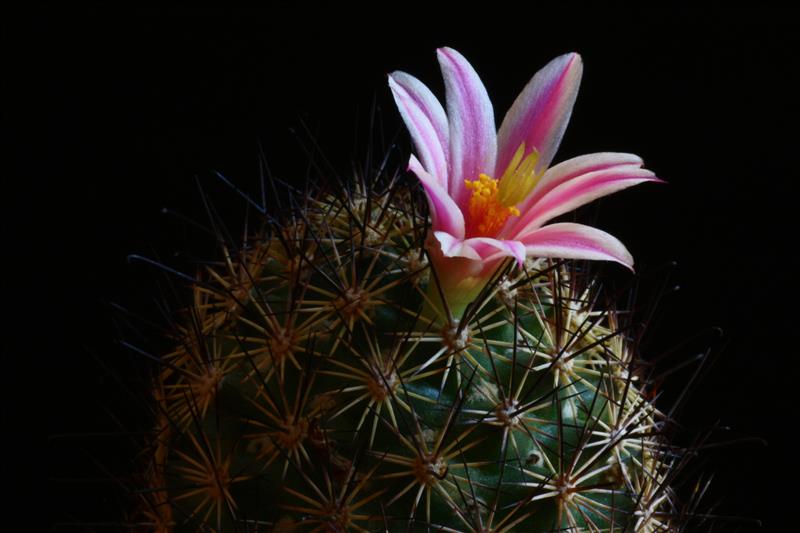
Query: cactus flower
{"type": "Point", "coordinates": [491, 192]}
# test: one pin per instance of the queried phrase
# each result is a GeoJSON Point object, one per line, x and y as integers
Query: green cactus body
{"type": "Point", "coordinates": [312, 389]}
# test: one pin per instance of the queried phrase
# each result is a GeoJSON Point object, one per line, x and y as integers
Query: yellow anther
{"type": "Point", "coordinates": [487, 214]}
{"type": "Point", "coordinates": [493, 201]}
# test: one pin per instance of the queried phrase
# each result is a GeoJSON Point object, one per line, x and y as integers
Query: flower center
{"type": "Point", "coordinates": [493, 201]}
{"type": "Point", "coordinates": [486, 211]}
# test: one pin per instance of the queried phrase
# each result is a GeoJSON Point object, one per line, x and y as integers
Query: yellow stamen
{"type": "Point", "coordinates": [493, 201]}
{"type": "Point", "coordinates": [486, 212]}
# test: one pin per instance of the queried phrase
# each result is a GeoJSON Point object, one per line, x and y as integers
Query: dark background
{"type": "Point", "coordinates": [112, 115]}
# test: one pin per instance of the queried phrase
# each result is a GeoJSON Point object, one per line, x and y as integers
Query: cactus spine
{"type": "Point", "coordinates": [313, 388]}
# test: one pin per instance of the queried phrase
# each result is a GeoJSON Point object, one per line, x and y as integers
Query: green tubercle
{"type": "Point", "coordinates": [317, 385]}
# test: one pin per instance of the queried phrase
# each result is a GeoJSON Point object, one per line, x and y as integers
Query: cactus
{"type": "Point", "coordinates": [308, 387]}
{"type": "Point", "coordinates": [322, 379]}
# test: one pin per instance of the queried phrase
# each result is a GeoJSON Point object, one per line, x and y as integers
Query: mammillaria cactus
{"type": "Point", "coordinates": [360, 364]}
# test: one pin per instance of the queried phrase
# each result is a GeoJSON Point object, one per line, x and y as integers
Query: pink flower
{"type": "Point", "coordinates": [491, 192]}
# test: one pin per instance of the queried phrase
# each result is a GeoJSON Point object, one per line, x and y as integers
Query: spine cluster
{"type": "Point", "coordinates": [312, 388]}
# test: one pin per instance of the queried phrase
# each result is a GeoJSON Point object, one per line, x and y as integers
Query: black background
{"type": "Point", "coordinates": [112, 114]}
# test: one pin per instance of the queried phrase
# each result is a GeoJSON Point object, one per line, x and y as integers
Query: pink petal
{"type": "Point", "coordinates": [484, 249]}
{"type": "Point", "coordinates": [426, 122]}
{"type": "Point", "coordinates": [455, 247]}
{"type": "Point", "coordinates": [576, 241]}
{"type": "Point", "coordinates": [578, 191]}
{"type": "Point", "coordinates": [575, 167]}
{"type": "Point", "coordinates": [473, 142]}
{"type": "Point", "coordinates": [490, 249]}
{"type": "Point", "coordinates": [445, 214]}
{"type": "Point", "coordinates": [540, 113]}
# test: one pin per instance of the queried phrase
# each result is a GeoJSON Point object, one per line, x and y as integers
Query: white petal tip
{"type": "Point", "coordinates": [626, 260]}
{"type": "Point", "coordinates": [449, 53]}
{"type": "Point", "coordinates": [393, 84]}
{"type": "Point", "coordinates": [570, 60]}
